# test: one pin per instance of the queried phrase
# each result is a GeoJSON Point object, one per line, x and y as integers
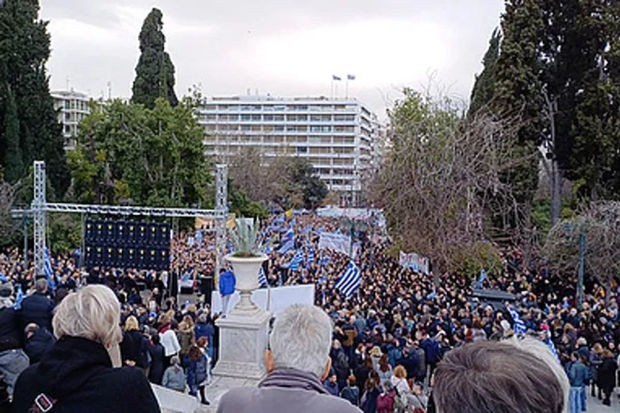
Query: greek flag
{"type": "Point", "coordinates": [324, 261]}
{"type": "Point", "coordinates": [262, 278]}
{"type": "Point", "coordinates": [287, 246]}
{"type": "Point", "coordinates": [519, 325]}
{"type": "Point", "coordinates": [47, 268]}
{"type": "Point", "coordinates": [350, 280]}
{"type": "Point", "coordinates": [290, 234]}
{"type": "Point", "coordinates": [296, 261]}
{"type": "Point", "coordinates": [310, 259]}
{"type": "Point", "coordinates": [483, 276]}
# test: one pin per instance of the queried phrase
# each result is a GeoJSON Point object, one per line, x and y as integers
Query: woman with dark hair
{"type": "Point", "coordinates": [157, 353]}
{"type": "Point", "coordinates": [385, 370]}
{"type": "Point", "coordinates": [368, 402]}
{"type": "Point", "coordinates": [197, 373]}
{"type": "Point", "coordinates": [607, 375]}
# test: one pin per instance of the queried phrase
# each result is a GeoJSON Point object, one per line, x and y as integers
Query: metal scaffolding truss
{"type": "Point", "coordinates": [40, 207]}
{"type": "Point", "coordinates": [135, 211]}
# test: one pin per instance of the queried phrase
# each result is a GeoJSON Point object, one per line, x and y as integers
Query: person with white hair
{"type": "Point", "coordinates": [297, 362]}
{"type": "Point", "coordinates": [76, 375]}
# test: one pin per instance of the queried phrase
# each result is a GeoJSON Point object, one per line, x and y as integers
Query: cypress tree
{"type": "Point", "coordinates": [484, 86]}
{"type": "Point", "coordinates": [518, 89]}
{"type": "Point", "coordinates": [24, 50]}
{"type": "Point", "coordinates": [155, 71]}
{"type": "Point", "coordinates": [14, 166]}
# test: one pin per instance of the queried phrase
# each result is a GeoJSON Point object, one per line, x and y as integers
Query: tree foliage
{"type": "Point", "coordinates": [29, 129]}
{"type": "Point", "coordinates": [441, 180]}
{"type": "Point", "coordinates": [155, 71]}
{"type": "Point", "coordinates": [7, 199]}
{"type": "Point", "coordinates": [126, 153]}
{"type": "Point", "coordinates": [600, 223]}
{"type": "Point", "coordinates": [284, 181]}
{"type": "Point", "coordinates": [484, 86]}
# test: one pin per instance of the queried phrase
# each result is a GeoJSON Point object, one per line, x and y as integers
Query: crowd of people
{"type": "Point", "coordinates": [389, 336]}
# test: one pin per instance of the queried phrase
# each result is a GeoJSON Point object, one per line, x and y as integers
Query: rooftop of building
{"type": "Point", "coordinates": [69, 94]}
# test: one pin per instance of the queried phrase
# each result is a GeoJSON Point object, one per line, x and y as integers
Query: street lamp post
{"type": "Point", "coordinates": [582, 253]}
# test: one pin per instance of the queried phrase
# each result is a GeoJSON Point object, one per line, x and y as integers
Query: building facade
{"type": "Point", "coordinates": [337, 136]}
{"type": "Point", "coordinates": [72, 107]}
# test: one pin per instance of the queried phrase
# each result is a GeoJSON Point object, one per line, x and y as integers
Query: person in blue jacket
{"type": "Point", "coordinates": [227, 288]}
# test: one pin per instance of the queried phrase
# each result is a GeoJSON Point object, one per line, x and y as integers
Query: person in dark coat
{"type": "Point", "coordinates": [38, 341]}
{"type": "Point", "coordinates": [37, 308]}
{"type": "Point", "coordinates": [9, 325]}
{"type": "Point", "coordinates": [158, 354]}
{"type": "Point", "coordinates": [607, 375]}
{"type": "Point", "coordinates": [77, 374]}
{"type": "Point", "coordinates": [134, 346]}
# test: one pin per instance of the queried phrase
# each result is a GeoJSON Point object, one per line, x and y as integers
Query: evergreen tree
{"type": "Point", "coordinates": [484, 86]}
{"type": "Point", "coordinates": [155, 71]}
{"type": "Point", "coordinates": [14, 167]}
{"type": "Point", "coordinates": [24, 50]}
{"type": "Point", "coordinates": [518, 89]}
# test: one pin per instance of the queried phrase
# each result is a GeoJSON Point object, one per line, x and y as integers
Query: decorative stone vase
{"type": "Point", "coordinates": [246, 271]}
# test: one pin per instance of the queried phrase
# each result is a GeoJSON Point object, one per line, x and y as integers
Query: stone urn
{"type": "Point", "coordinates": [246, 271]}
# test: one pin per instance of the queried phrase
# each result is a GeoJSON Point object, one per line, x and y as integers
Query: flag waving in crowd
{"type": "Point", "coordinates": [350, 280]}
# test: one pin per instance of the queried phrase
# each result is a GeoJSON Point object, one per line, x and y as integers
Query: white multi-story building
{"type": "Point", "coordinates": [72, 108]}
{"type": "Point", "coordinates": [337, 136]}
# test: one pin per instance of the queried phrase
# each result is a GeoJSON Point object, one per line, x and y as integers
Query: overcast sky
{"type": "Point", "coordinates": [281, 47]}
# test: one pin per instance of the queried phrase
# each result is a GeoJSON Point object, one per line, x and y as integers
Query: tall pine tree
{"type": "Point", "coordinates": [24, 50]}
{"type": "Point", "coordinates": [518, 89]}
{"type": "Point", "coordinates": [484, 86]}
{"type": "Point", "coordinates": [155, 71]}
{"type": "Point", "coordinates": [13, 162]}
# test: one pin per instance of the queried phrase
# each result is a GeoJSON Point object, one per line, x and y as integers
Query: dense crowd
{"type": "Point", "coordinates": [389, 336]}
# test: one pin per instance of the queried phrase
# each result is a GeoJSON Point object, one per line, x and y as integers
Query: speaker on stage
{"type": "Point", "coordinates": [130, 237]}
{"type": "Point", "coordinates": [89, 232]}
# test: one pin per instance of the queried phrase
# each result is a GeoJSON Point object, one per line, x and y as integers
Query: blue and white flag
{"type": "Point", "coordinates": [19, 298]}
{"type": "Point", "coordinates": [324, 261]}
{"type": "Point", "coordinates": [298, 258]}
{"type": "Point", "coordinates": [290, 233]}
{"type": "Point", "coordinates": [262, 278]}
{"type": "Point", "coordinates": [519, 325]}
{"type": "Point", "coordinates": [481, 278]}
{"type": "Point", "coordinates": [287, 246]}
{"type": "Point", "coordinates": [229, 246]}
{"type": "Point", "coordinates": [310, 259]}
{"type": "Point", "coordinates": [350, 280]}
{"type": "Point", "coordinates": [336, 242]}
{"type": "Point", "coordinates": [47, 269]}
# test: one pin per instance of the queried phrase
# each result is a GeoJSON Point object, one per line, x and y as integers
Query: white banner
{"type": "Point", "coordinates": [414, 261]}
{"type": "Point", "coordinates": [281, 297]}
{"type": "Point", "coordinates": [336, 242]}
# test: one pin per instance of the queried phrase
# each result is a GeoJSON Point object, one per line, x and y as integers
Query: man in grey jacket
{"type": "Point", "coordinates": [296, 364]}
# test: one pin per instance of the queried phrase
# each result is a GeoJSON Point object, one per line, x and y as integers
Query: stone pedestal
{"type": "Point", "coordinates": [243, 341]}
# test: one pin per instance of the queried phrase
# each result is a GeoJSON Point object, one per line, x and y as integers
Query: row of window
{"type": "Point", "coordinates": [279, 118]}
{"type": "Point", "coordinates": [281, 108]}
{"type": "Point", "coordinates": [282, 128]}
{"type": "Point", "coordinates": [332, 140]}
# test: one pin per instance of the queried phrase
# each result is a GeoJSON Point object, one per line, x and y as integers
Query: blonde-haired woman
{"type": "Point", "coordinates": [76, 375]}
{"type": "Point", "coordinates": [399, 380]}
{"type": "Point", "coordinates": [134, 346]}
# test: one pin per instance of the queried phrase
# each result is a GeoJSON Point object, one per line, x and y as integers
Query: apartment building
{"type": "Point", "coordinates": [72, 107]}
{"type": "Point", "coordinates": [337, 136]}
